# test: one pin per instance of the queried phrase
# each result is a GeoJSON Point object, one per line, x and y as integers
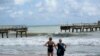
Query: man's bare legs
{"type": "Point", "coordinates": [50, 54]}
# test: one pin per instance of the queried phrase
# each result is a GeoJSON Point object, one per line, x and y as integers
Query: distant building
{"type": "Point", "coordinates": [98, 22]}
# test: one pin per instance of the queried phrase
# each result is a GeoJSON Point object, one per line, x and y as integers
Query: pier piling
{"type": "Point", "coordinates": [4, 30]}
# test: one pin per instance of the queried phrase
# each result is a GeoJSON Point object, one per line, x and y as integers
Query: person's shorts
{"type": "Point", "coordinates": [50, 50]}
{"type": "Point", "coordinates": [60, 52]}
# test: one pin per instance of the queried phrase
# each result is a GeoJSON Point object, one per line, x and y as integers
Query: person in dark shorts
{"type": "Point", "coordinates": [50, 44]}
{"type": "Point", "coordinates": [60, 48]}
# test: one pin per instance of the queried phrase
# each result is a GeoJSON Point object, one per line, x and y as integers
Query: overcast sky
{"type": "Point", "coordinates": [49, 12]}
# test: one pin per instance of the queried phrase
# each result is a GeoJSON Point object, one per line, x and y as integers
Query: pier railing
{"type": "Point", "coordinates": [80, 27]}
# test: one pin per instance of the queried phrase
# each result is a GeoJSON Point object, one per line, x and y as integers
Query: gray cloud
{"type": "Point", "coordinates": [45, 10]}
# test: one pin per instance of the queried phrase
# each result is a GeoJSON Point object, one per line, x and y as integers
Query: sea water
{"type": "Point", "coordinates": [44, 29]}
{"type": "Point", "coordinates": [79, 44]}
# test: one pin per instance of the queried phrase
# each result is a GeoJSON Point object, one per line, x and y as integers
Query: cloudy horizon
{"type": "Point", "coordinates": [48, 12]}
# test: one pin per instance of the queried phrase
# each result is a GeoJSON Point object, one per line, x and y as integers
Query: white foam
{"type": "Point", "coordinates": [81, 54]}
{"type": "Point", "coordinates": [8, 51]}
{"type": "Point", "coordinates": [40, 40]}
{"type": "Point", "coordinates": [82, 41]}
{"type": "Point", "coordinates": [22, 41]}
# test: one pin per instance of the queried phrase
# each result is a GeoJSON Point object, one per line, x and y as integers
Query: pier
{"type": "Point", "coordinates": [18, 29]}
{"type": "Point", "coordinates": [80, 28]}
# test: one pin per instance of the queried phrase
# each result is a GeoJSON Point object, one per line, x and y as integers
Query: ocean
{"type": "Point", "coordinates": [78, 44]}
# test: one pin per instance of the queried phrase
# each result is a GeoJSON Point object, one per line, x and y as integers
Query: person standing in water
{"type": "Point", "coordinates": [50, 44]}
{"type": "Point", "coordinates": [60, 48]}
